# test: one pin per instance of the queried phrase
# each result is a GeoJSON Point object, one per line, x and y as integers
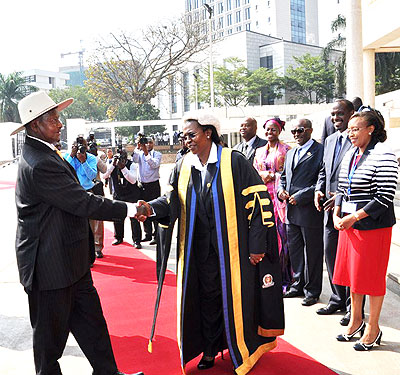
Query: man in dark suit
{"type": "Point", "coordinates": [54, 244]}
{"type": "Point", "coordinates": [304, 227]}
{"type": "Point", "coordinates": [336, 146]}
{"type": "Point", "coordinates": [251, 141]}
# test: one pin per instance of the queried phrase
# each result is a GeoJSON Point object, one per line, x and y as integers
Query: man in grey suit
{"type": "Point", "coordinates": [304, 228]}
{"type": "Point", "coordinates": [336, 146]}
{"type": "Point", "coordinates": [251, 141]}
{"type": "Point", "coordinates": [55, 246]}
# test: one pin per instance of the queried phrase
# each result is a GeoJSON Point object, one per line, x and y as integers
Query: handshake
{"type": "Point", "coordinates": [143, 211]}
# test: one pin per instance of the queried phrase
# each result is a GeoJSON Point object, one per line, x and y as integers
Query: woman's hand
{"type": "Point", "coordinates": [144, 210]}
{"type": "Point", "coordinates": [347, 222]}
{"type": "Point", "coordinates": [337, 222]}
{"type": "Point", "coordinates": [256, 258]}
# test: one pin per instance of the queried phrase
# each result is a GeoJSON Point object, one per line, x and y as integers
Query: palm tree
{"type": "Point", "coordinates": [340, 66]}
{"type": "Point", "coordinates": [12, 89]}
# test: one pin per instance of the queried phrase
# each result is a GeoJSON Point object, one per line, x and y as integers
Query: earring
{"type": "Point", "coordinates": [208, 136]}
{"type": "Point", "coordinates": [369, 133]}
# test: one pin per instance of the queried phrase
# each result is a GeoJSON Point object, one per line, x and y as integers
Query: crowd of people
{"type": "Point", "coordinates": [254, 225]}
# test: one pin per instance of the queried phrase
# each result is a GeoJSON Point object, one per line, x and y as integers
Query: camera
{"type": "Point", "coordinates": [80, 145]}
{"type": "Point", "coordinates": [142, 139]}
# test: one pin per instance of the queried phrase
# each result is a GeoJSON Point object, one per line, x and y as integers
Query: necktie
{"type": "Point", "coordinates": [338, 147]}
{"type": "Point", "coordinates": [59, 153]}
{"type": "Point", "coordinates": [296, 157]}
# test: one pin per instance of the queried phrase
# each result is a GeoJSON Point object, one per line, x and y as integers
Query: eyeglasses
{"type": "Point", "coordinates": [298, 130]}
{"type": "Point", "coordinates": [188, 135]}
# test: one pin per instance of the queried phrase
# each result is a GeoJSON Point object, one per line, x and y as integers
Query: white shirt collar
{"type": "Point", "coordinates": [212, 158]}
{"type": "Point", "coordinates": [251, 141]}
{"type": "Point", "coordinates": [306, 145]}
{"type": "Point", "coordinates": [44, 142]}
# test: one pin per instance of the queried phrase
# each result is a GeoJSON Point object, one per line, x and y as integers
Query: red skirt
{"type": "Point", "coordinates": [361, 260]}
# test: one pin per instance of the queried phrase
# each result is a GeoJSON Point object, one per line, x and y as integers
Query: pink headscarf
{"type": "Point", "coordinates": [277, 121]}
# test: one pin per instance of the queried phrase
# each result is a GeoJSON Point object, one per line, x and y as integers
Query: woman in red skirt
{"type": "Point", "coordinates": [364, 215]}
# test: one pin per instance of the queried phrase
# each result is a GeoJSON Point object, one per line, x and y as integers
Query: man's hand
{"type": "Point", "coordinates": [144, 210]}
{"type": "Point", "coordinates": [256, 258]}
{"type": "Point", "coordinates": [283, 195]}
{"type": "Point", "coordinates": [292, 200]}
{"type": "Point", "coordinates": [317, 197]}
{"type": "Point", "coordinates": [330, 203]}
{"type": "Point", "coordinates": [81, 156]}
{"type": "Point", "coordinates": [115, 160]}
{"type": "Point", "coordinates": [74, 150]}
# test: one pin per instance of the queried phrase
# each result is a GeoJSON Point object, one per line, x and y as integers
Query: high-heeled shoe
{"type": "Point", "coordinates": [362, 346]}
{"type": "Point", "coordinates": [205, 364]}
{"type": "Point", "coordinates": [348, 337]}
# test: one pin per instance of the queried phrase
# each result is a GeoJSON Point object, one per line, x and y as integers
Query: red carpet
{"type": "Point", "coordinates": [126, 282]}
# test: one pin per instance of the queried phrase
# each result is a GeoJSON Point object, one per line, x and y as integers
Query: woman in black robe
{"type": "Point", "coordinates": [229, 283]}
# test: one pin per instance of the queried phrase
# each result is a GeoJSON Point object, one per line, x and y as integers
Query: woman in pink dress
{"type": "Point", "coordinates": [269, 161]}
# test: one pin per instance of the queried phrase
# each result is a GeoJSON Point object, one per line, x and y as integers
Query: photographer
{"type": "Point", "coordinates": [149, 162]}
{"type": "Point", "coordinates": [98, 225]}
{"type": "Point", "coordinates": [123, 175]}
{"type": "Point", "coordinates": [84, 163]}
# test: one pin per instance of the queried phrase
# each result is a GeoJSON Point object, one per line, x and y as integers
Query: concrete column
{"type": "Point", "coordinates": [113, 136]}
{"type": "Point", "coordinates": [354, 50]}
{"type": "Point", "coordinates": [369, 77]}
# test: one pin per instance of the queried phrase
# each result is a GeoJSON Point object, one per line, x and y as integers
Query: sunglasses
{"type": "Point", "coordinates": [298, 130]}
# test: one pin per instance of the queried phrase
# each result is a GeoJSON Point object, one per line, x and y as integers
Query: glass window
{"type": "Point", "coordinates": [247, 26]}
{"type": "Point", "coordinates": [229, 19]}
{"type": "Point", "coordinates": [237, 3]}
{"type": "Point", "coordinates": [228, 4]}
{"type": "Point", "coordinates": [298, 21]}
{"type": "Point", "coordinates": [220, 22]}
{"type": "Point", "coordinates": [237, 17]}
{"type": "Point", "coordinates": [238, 28]}
{"type": "Point", "coordinates": [247, 14]}
{"type": "Point", "coordinates": [186, 96]}
{"type": "Point", "coordinates": [229, 31]}
{"type": "Point", "coordinates": [220, 7]}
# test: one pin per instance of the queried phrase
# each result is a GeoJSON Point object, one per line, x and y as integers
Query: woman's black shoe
{"type": "Point", "coordinates": [205, 364]}
{"type": "Point", "coordinates": [348, 337]}
{"type": "Point", "coordinates": [362, 347]}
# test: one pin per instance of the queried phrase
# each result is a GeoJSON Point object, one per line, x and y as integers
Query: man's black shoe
{"type": "Point", "coordinates": [346, 319]}
{"type": "Point", "coordinates": [137, 245]}
{"type": "Point", "coordinates": [153, 242]}
{"type": "Point", "coordinates": [205, 364]}
{"type": "Point", "coordinates": [99, 254]}
{"type": "Point", "coordinates": [122, 373]}
{"type": "Point", "coordinates": [309, 301]}
{"type": "Point", "coordinates": [329, 309]}
{"type": "Point", "coordinates": [293, 293]}
{"type": "Point", "coordinates": [147, 239]}
{"type": "Point", "coordinates": [117, 242]}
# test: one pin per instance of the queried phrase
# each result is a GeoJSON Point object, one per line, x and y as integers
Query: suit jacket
{"type": "Point", "coordinates": [52, 241]}
{"type": "Point", "coordinates": [328, 177]}
{"type": "Point", "coordinates": [328, 129]}
{"type": "Point", "coordinates": [258, 142]}
{"type": "Point", "coordinates": [300, 182]}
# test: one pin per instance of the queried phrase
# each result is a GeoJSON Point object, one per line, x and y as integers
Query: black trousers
{"type": "Point", "coordinates": [306, 257]}
{"type": "Point", "coordinates": [340, 296]}
{"type": "Point", "coordinates": [151, 190]}
{"type": "Point", "coordinates": [76, 309]}
{"type": "Point", "coordinates": [210, 301]}
{"type": "Point", "coordinates": [119, 230]}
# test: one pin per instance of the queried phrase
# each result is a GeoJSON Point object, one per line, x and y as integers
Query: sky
{"type": "Point", "coordinates": [34, 33]}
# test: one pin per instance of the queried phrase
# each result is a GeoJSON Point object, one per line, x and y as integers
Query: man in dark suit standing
{"type": "Point", "coordinates": [251, 141]}
{"type": "Point", "coordinates": [54, 244]}
{"type": "Point", "coordinates": [336, 146]}
{"type": "Point", "coordinates": [297, 186]}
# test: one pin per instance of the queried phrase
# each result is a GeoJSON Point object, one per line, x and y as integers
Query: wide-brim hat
{"type": "Point", "coordinates": [35, 105]}
{"type": "Point", "coordinates": [204, 119]}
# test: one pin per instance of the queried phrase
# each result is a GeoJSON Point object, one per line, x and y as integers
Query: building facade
{"type": "Point", "coordinates": [45, 80]}
{"type": "Point", "coordinates": [292, 20]}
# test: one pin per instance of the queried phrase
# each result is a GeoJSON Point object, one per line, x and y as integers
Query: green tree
{"type": "Point", "coordinates": [311, 81]}
{"type": "Point", "coordinates": [236, 85]}
{"type": "Point", "coordinates": [131, 112]}
{"type": "Point", "coordinates": [84, 106]}
{"type": "Point", "coordinates": [12, 89]}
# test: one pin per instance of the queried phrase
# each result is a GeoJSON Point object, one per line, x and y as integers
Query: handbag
{"type": "Point", "coordinates": [97, 188]}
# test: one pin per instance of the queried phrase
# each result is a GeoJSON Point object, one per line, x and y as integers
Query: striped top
{"type": "Point", "coordinates": [373, 184]}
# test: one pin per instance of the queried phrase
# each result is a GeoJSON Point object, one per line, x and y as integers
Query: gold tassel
{"type": "Point", "coordinates": [150, 347]}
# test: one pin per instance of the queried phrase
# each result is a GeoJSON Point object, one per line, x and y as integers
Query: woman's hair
{"type": "Point", "coordinates": [277, 121]}
{"type": "Point", "coordinates": [214, 135]}
{"type": "Point", "coordinates": [373, 117]}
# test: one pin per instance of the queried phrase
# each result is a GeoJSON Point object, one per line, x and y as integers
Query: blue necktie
{"type": "Point", "coordinates": [338, 147]}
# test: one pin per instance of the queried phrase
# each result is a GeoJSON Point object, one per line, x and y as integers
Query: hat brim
{"type": "Point", "coordinates": [60, 106]}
